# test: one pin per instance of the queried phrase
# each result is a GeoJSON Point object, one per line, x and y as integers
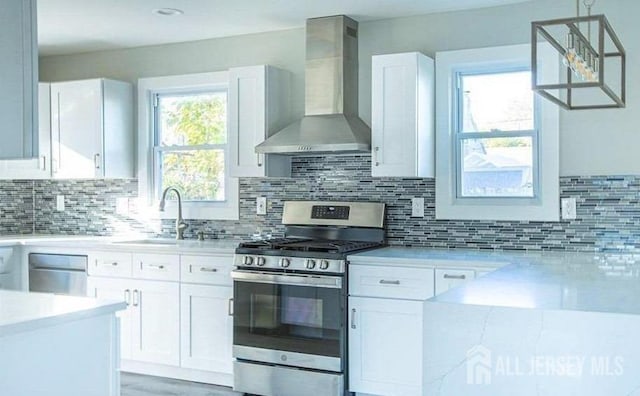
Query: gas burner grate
{"type": "Point", "coordinates": [309, 245]}
{"type": "Point", "coordinates": [273, 243]}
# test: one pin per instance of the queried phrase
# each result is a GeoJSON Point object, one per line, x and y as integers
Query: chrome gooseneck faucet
{"type": "Point", "coordinates": [180, 224]}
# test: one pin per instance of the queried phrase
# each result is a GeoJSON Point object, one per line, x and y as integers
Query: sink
{"type": "Point", "coordinates": [156, 241]}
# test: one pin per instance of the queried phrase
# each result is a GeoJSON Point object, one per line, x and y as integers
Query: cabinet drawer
{"type": "Point", "coordinates": [115, 264]}
{"type": "Point", "coordinates": [391, 282]}
{"type": "Point", "coordinates": [449, 278]}
{"type": "Point", "coordinates": [156, 266]}
{"type": "Point", "coordinates": [212, 270]}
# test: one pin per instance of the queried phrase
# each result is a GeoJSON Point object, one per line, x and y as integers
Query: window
{"type": "Point", "coordinates": [497, 142]}
{"type": "Point", "coordinates": [496, 136]}
{"type": "Point", "coordinates": [191, 143]}
{"type": "Point", "coordinates": [183, 143]}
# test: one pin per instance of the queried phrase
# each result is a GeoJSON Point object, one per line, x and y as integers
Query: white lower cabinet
{"type": "Point", "coordinates": [178, 319]}
{"type": "Point", "coordinates": [385, 346]}
{"type": "Point", "coordinates": [150, 326]}
{"type": "Point", "coordinates": [116, 289]}
{"type": "Point", "coordinates": [386, 306]}
{"type": "Point", "coordinates": [156, 322]}
{"type": "Point", "coordinates": [206, 328]}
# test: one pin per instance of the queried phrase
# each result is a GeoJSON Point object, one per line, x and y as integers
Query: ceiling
{"type": "Point", "coordinates": [74, 26]}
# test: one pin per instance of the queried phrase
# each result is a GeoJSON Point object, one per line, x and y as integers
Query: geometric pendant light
{"type": "Point", "coordinates": [593, 75]}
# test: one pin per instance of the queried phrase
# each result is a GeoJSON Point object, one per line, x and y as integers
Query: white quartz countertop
{"type": "Point", "coordinates": [20, 311]}
{"type": "Point", "coordinates": [431, 258]}
{"type": "Point", "coordinates": [123, 243]}
{"type": "Point", "coordinates": [592, 282]}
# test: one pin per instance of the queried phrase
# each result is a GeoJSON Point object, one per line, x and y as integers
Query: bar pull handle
{"type": "Point", "coordinates": [43, 163]}
{"type": "Point", "coordinates": [155, 266]}
{"type": "Point", "coordinates": [389, 282]}
{"type": "Point", "coordinates": [230, 307]}
{"type": "Point", "coordinates": [259, 162]}
{"type": "Point", "coordinates": [353, 318]}
{"type": "Point", "coordinates": [127, 297]}
{"type": "Point", "coordinates": [460, 277]}
{"type": "Point", "coordinates": [208, 269]}
{"type": "Point", "coordinates": [136, 297]}
{"type": "Point", "coordinates": [96, 160]}
{"type": "Point", "coordinates": [114, 264]}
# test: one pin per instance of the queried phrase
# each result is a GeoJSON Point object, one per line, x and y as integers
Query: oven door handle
{"type": "Point", "coordinates": [331, 282]}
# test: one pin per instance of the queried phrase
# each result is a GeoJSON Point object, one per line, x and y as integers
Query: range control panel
{"type": "Point", "coordinates": [330, 212]}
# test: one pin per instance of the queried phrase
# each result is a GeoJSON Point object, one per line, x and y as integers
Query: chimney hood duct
{"type": "Point", "coordinates": [331, 123]}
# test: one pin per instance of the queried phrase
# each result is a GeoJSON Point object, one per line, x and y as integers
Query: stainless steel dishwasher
{"type": "Point", "coordinates": [58, 273]}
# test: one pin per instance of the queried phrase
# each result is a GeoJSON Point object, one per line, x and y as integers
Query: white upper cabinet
{"type": "Point", "coordinates": [92, 129]}
{"type": "Point", "coordinates": [258, 107]}
{"type": "Point", "coordinates": [402, 122]}
{"type": "Point", "coordinates": [18, 76]}
{"type": "Point", "coordinates": [36, 167]}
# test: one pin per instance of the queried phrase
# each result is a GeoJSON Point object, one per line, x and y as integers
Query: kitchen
{"type": "Point", "coordinates": [596, 164]}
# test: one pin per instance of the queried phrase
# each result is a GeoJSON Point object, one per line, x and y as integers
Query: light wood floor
{"type": "Point", "coordinates": [143, 385]}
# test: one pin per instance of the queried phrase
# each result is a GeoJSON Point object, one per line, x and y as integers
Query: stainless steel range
{"type": "Point", "coordinates": [290, 299]}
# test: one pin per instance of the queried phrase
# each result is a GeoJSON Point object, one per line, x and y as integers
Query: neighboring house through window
{"type": "Point", "coordinates": [184, 144]}
{"type": "Point", "coordinates": [497, 142]}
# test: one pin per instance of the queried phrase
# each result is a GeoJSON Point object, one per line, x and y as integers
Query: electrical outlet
{"type": "Point", "coordinates": [60, 203]}
{"type": "Point", "coordinates": [568, 206]}
{"type": "Point", "coordinates": [122, 206]}
{"type": "Point", "coordinates": [261, 205]}
{"type": "Point", "coordinates": [417, 207]}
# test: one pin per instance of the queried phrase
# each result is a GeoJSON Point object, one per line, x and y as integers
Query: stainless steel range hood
{"type": "Point", "coordinates": [331, 123]}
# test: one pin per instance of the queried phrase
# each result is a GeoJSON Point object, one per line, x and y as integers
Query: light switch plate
{"type": "Point", "coordinates": [417, 207]}
{"type": "Point", "coordinates": [261, 205]}
{"type": "Point", "coordinates": [568, 206]}
{"type": "Point", "coordinates": [60, 203]}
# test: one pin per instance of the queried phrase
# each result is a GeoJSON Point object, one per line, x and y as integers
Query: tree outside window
{"type": "Point", "coordinates": [191, 144]}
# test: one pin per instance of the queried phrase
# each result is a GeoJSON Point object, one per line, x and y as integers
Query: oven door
{"type": "Point", "coordinates": [289, 319]}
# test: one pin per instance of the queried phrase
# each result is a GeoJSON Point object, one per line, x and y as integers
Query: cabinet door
{"type": "Point", "coordinates": [402, 123]}
{"type": "Point", "coordinates": [44, 125]}
{"type": "Point", "coordinates": [247, 123]}
{"type": "Point", "coordinates": [449, 278]}
{"type": "Point", "coordinates": [115, 289]}
{"type": "Point", "coordinates": [206, 328]}
{"type": "Point", "coordinates": [156, 323]}
{"type": "Point", "coordinates": [76, 121]}
{"type": "Point", "coordinates": [385, 346]}
{"type": "Point", "coordinates": [393, 123]}
{"type": "Point", "coordinates": [18, 76]}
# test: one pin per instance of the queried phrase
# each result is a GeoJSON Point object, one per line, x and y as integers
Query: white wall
{"type": "Point", "coordinates": [602, 142]}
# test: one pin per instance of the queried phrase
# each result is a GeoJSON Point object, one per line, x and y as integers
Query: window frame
{"type": "Point", "coordinates": [148, 160]}
{"type": "Point", "coordinates": [158, 149]}
{"type": "Point", "coordinates": [459, 135]}
{"type": "Point", "coordinates": [544, 205]}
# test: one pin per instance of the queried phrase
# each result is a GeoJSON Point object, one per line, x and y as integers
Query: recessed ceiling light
{"type": "Point", "coordinates": [168, 11]}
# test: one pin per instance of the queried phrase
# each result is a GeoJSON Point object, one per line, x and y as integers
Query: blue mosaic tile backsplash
{"type": "Point", "coordinates": [608, 209]}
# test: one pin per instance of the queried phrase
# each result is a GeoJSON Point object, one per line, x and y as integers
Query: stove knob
{"type": "Point", "coordinates": [261, 261]}
{"type": "Point", "coordinates": [324, 264]}
{"type": "Point", "coordinates": [311, 264]}
{"type": "Point", "coordinates": [248, 260]}
{"type": "Point", "coordinates": [285, 262]}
